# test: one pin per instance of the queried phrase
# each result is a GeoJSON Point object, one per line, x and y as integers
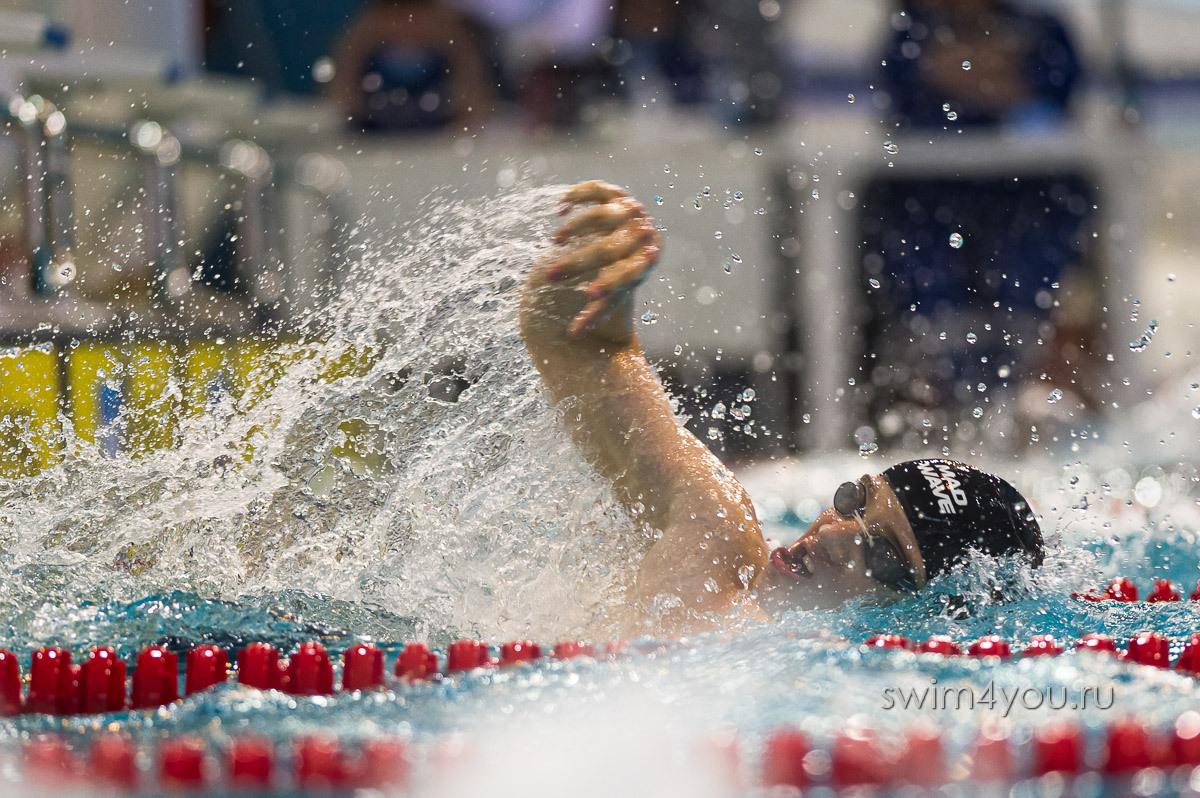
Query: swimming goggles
{"type": "Point", "coordinates": [882, 559]}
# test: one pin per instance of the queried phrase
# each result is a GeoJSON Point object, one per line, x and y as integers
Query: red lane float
{"type": "Point", "coordinates": [362, 667]}
{"type": "Point", "coordinates": [258, 666]}
{"type": "Point", "coordinates": [416, 662]}
{"type": "Point", "coordinates": [1123, 589]}
{"type": "Point", "coordinates": [1057, 748]}
{"type": "Point", "coordinates": [155, 678]}
{"type": "Point", "coordinates": [940, 644]}
{"type": "Point", "coordinates": [309, 671]}
{"type": "Point", "coordinates": [853, 758]}
{"type": "Point", "coordinates": [783, 762]}
{"type": "Point", "coordinates": [1101, 643]}
{"type": "Point", "coordinates": [10, 683]}
{"type": "Point", "coordinates": [1042, 646]}
{"type": "Point", "coordinates": [990, 646]}
{"type": "Point", "coordinates": [886, 641]}
{"type": "Point", "coordinates": [519, 651]}
{"type": "Point", "coordinates": [56, 686]}
{"type": "Point", "coordinates": [248, 765]}
{"type": "Point", "coordinates": [206, 666]}
{"type": "Point", "coordinates": [1149, 648]}
{"type": "Point", "coordinates": [112, 761]}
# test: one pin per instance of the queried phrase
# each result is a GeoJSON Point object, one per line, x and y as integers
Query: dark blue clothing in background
{"type": "Point", "coordinates": [1051, 73]}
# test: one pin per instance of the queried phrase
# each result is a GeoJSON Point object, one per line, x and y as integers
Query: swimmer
{"type": "Point", "coordinates": [885, 535]}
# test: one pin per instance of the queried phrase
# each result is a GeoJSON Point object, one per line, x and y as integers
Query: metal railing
{"type": "Point", "coordinates": [45, 201]}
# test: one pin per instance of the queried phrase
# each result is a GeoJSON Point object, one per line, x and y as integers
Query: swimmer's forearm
{"type": "Point", "coordinates": [621, 418]}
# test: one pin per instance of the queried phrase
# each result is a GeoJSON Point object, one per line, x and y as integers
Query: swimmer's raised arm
{"type": "Point", "coordinates": [576, 319]}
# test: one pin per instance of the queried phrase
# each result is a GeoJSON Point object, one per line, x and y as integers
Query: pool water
{"type": "Point", "coordinates": [351, 501]}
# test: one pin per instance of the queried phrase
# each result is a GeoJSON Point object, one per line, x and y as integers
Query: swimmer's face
{"type": "Point", "coordinates": [861, 545]}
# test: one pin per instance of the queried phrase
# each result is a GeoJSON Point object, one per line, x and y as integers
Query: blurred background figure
{"type": "Point", "coordinates": [974, 284]}
{"type": "Point", "coordinates": [988, 61]}
{"type": "Point", "coordinates": [410, 65]}
{"type": "Point", "coordinates": [547, 54]}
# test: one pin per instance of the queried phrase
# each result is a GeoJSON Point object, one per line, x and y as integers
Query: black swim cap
{"type": "Point", "coordinates": [953, 506]}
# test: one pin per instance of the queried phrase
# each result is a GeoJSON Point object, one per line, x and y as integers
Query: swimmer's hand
{"type": "Point", "coordinates": [584, 293]}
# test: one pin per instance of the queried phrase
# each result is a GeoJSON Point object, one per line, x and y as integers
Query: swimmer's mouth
{"type": "Point", "coordinates": [797, 565]}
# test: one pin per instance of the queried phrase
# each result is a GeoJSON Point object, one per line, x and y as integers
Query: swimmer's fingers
{"type": "Point", "coordinates": [621, 244]}
{"type": "Point", "coordinates": [625, 273]}
{"type": "Point", "coordinates": [594, 313]}
{"type": "Point", "coordinates": [590, 191]}
{"type": "Point", "coordinates": [600, 219]}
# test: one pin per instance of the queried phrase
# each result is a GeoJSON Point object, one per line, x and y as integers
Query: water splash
{"type": "Point", "coordinates": [408, 460]}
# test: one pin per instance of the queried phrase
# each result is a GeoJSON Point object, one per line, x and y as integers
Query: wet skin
{"type": "Point", "coordinates": [709, 560]}
{"type": "Point", "coordinates": [829, 564]}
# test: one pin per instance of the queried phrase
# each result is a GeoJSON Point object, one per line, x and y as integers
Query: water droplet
{"type": "Point", "coordinates": [658, 200]}
{"type": "Point", "coordinates": [649, 317]}
{"type": "Point", "coordinates": [1034, 436]}
{"type": "Point", "coordinates": [738, 196]}
{"type": "Point", "coordinates": [1004, 372]}
{"type": "Point", "coordinates": [736, 258]}
{"type": "Point", "coordinates": [704, 192]}
{"type": "Point", "coordinates": [666, 167]}
{"type": "Point", "coordinates": [815, 195]}
{"type": "Point", "coordinates": [942, 335]}
{"type": "Point", "coordinates": [952, 116]}
{"type": "Point", "coordinates": [758, 150]}
{"type": "Point", "coordinates": [867, 449]}
{"type": "Point", "coordinates": [713, 433]}
{"type": "Point", "coordinates": [722, 512]}
{"type": "Point", "coordinates": [1140, 344]}
{"type": "Point", "coordinates": [1196, 412]}
{"type": "Point", "coordinates": [966, 65]}
{"type": "Point", "coordinates": [890, 147]}
{"type": "Point", "coordinates": [711, 585]}
{"type": "Point", "coordinates": [850, 97]}
{"type": "Point", "coordinates": [749, 395]}
{"type": "Point", "coordinates": [718, 410]}
{"type": "Point", "coordinates": [717, 235]}
{"type": "Point", "coordinates": [678, 350]}
{"type": "Point", "coordinates": [1135, 309]}
{"type": "Point", "coordinates": [945, 106]}
{"type": "Point", "coordinates": [972, 337]}
{"type": "Point", "coordinates": [873, 282]}
{"type": "Point", "coordinates": [1171, 277]}
{"type": "Point", "coordinates": [806, 418]}
{"type": "Point", "coordinates": [728, 267]}
{"type": "Point", "coordinates": [956, 240]}
{"type": "Point", "coordinates": [696, 202]}
{"type": "Point", "coordinates": [977, 412]}
{"type": "Point", "coordinates": [1054, 396]}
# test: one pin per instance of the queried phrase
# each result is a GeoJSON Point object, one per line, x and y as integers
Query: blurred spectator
{"type": "Point", "coordinates": [983, 59]}
{"type": "Point", "coordinates": [975, 286]}
{"type": "Point", "coordinates": [661, 49]}
{"type": "Point", "coordinates": [410, 65]}
{"type": "Point", "coordinates": [551, 53]}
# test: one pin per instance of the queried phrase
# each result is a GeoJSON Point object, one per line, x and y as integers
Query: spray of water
{"type": "Point", "coordinates": [404, 457]}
